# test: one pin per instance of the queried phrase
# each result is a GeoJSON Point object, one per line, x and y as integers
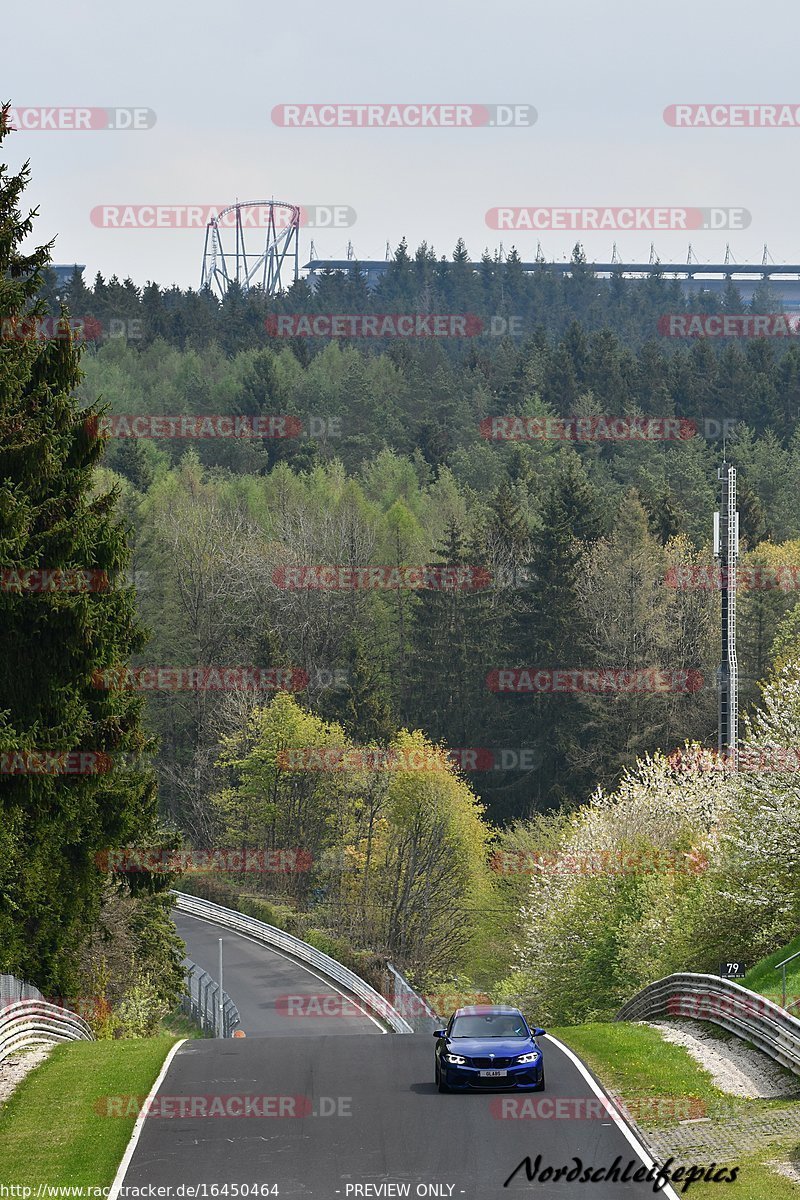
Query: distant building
{"type": "Point", "coordinates": [64, 271]}
{"type": "Point", "coordinates": [692, 276]}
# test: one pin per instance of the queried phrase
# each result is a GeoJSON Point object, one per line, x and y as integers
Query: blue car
{"type": "Point", "coordinates": [488, 1048]}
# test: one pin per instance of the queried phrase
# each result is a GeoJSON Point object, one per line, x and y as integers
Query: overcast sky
{"type": "Point", "coordinates": [598, 75]}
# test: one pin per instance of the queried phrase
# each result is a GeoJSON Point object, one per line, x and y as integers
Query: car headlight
{"type": "Point", "coordinates": [526, 1058]}
{"type": "Point", "coordinates": [456, 1059]}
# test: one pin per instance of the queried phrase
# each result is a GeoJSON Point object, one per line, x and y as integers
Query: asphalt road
{"type": "Point", "coordinates": [300, 1108]}
{"type": "Point", "coordinates": [267, 988]}
{"type": "Point", "coordinates": [359, 1110]}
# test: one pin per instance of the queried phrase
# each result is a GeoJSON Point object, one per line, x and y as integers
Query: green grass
{"type": "Point", "coordinates": [50, 1129]}
{"type": "Point", "coordinates": [178, 1025]}
{"type": "Point", "coordinates": [635, 1062]}
{"type": "Point", "coordinates": [755, 1181]}
{"type": "Point", "coordinates": [765, 980]}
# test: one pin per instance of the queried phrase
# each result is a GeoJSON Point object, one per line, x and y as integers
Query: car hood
{"type": "Point", "coordinates": [499, 1047]}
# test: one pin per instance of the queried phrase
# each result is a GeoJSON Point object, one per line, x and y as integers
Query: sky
{"type": "Point", "coordinates": [598, 76]}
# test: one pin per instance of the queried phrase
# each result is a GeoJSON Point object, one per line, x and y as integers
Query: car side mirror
{"type": "Point", "coordinates": [539, 1032]}
{"type": "Point", "coordinates": [439, 1033]}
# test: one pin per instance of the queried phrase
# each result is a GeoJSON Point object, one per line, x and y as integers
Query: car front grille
{"type": "Point", "coordinates": [490, 1063]}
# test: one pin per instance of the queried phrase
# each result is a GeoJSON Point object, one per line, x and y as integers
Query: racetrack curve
{"type": "Point", "coordinates": [259, 980]}
{"type": "Point", "coordinates": [340, 1117]}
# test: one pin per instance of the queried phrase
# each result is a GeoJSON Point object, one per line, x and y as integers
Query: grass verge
{"type": "Point", "coordinates": [661, 1084]}
{"type": "Point", "coordinates": [51, 1131]}
{"type": "Point", "coordinates": [650, 1074]}
{"type": "Point", "coordinates": [765, 980]}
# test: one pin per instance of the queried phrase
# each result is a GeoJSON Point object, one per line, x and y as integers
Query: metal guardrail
{"type": "Point", "coordinates": [215, 1013]}
{"type": "Point", "coordinates": [279, 939]}
{"type": "Point", "coordinates": [414, 1008]}
{"type": "Point", "coordinates": [746, 1014]}
{"type": "Point", "coordinates": [25, 1023]}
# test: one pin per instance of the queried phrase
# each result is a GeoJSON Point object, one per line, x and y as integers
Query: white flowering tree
{"type": "Point", "coordinates": [687, 862]}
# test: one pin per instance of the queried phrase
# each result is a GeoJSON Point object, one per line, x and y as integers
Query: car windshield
{"type": "Point", "coordinates": [490, 1025]}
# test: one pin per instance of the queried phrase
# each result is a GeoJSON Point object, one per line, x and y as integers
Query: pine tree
{"type": "Point", "coordinates": [363, 707]}
{"type": "Point", "coordinates": [132, 460]}
{"type": "Point", "coordinates": [550, 633]}
{"type": "Point", "coordinates": [449, 647]}
{"type": "Point", "coordinates": [54, 825]}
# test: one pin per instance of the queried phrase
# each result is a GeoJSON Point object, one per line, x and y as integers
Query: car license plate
{"type": "Point", "coordinates": [493, 1074]}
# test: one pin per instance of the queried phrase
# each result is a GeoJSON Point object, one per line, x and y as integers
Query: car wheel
{"type": "Point", "coordinates": [440, 1084]}
{"type": "Point", "coordinates": [540, 1086]}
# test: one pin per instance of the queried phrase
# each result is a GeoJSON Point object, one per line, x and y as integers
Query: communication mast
{"type": "Point", "coordinates": [726, 552]}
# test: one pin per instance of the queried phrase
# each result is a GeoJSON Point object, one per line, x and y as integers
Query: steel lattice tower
{"type": "Point", "coordinates": [726, 551]}
{"type": "Point", "coordinates": [225, 265]}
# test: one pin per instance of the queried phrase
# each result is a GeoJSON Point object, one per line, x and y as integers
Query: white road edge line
{"type": "Point", "coordinates": [140, 1120]}
{"type": "Point", "coordinates": [615, 1114]}
{"type": "Point", "coordinates": [287, 958]}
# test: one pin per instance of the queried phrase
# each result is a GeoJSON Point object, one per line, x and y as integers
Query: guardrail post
{"type": "Point", "coordinates": [204, 1019]}
{"type": "Point", "coordinates": [782, 966]}
{"type": "Point", "coordinates": [188, 993]}
{"type": "Point", "coordinates": [221, 994]}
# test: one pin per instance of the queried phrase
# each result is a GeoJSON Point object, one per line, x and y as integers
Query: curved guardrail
{"type": "Point", "coordinates": [30, 1022]}
{"type": "Point", "coordinates": [710, 998]}
{"type": "Point", "coordinates": [279, 939]}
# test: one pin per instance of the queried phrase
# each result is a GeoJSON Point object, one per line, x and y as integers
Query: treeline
{"type": "Point", "coordinates": [577, 547]}
{"type": "Point", "coordinates": [497, 291]}
{"type": "Point", "coordinates": [226, 570]}
{"type": "Point", "coordinates": [352, 405]}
